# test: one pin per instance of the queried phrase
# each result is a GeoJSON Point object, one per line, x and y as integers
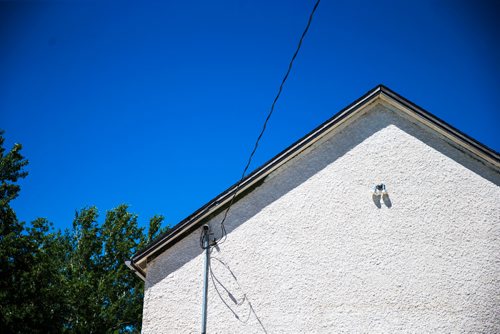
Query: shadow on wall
{"type": "Point", "coordinates": [379, 199]}
{"type": "Point", "coordinates": [235, 299]}
{"type": "Point", "coordinates": [301, 168]}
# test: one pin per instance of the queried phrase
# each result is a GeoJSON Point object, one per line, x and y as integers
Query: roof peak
{"type": "Point", "coordinates": [139, 261]}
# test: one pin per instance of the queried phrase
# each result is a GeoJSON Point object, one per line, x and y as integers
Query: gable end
{"type": "Point", "coordinates": [345, 116]}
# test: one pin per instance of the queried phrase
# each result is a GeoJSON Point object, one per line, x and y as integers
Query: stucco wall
{"type": "Point", "coordinates": [311, 251]}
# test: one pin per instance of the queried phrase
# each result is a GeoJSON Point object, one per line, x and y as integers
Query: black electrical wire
{"type": "Point", "coordinates": [271, 111]}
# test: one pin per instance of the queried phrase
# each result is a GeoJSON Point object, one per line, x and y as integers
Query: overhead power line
{"type": "Point", "coordinates": [256, 145]}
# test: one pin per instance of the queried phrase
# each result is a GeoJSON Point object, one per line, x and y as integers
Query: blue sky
{"type": "Point", "coordinates": [158, 104]}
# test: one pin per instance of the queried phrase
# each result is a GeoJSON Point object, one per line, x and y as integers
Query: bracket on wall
{"type": "Point", "coordinates": [380, 195]}
{"type": "Point", "coordinates": [379, 189]}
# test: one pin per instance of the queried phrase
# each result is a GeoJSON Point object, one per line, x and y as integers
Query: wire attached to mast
{"type": "Point", "coordinates": [271, 111]}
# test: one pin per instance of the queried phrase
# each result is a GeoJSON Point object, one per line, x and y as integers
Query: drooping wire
{"type": "Point", "coordinates": [271, 111]}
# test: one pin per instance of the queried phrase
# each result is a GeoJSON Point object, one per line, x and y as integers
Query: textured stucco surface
{"type": "Point", "coordinates": [312, 251]}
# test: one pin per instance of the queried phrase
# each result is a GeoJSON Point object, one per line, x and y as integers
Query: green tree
{"type": "Point", "coordinates": [14, 247]}
{"type": "Point", "coordinates": [105, 295]}
{"type": "Point", "coordinates": [71, 282]}
{"type": "Point", "coordinates": [43, 285]}
{"type": "Point", "coordinates": [31, 260]}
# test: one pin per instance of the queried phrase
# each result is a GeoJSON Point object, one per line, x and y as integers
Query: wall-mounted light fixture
{"type": "Point", "coordinates": [379, 190]}
{"type": "Point", "coordinates": [381, 196]}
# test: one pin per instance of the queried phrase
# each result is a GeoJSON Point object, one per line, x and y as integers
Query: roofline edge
{"type": "Point", "coordinates": [446, 129]}
{"type": "Point", "coordinates": [219, 202]}
{"type": "Point", "coordinates": [138, 271]}
{"type": "Point", "coordinates": [223, 198]}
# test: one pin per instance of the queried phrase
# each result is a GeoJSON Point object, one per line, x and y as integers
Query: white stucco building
{"type": "Point", "coordinates": [310, 249]}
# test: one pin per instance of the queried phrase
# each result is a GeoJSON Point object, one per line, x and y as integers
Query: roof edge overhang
{"type": "Point", "coordinates": [473, 146]}
{"type": "Point", "coordinates": [139, 262]}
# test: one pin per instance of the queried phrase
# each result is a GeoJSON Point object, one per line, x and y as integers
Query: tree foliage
{"type": "Point", "coordinates": [73, 281]}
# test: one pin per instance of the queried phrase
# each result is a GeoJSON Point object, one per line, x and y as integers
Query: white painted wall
{"type": "Point", "coordinates": [310, 251]}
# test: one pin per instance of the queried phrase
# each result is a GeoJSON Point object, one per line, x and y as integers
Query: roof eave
{"type": "Point", "coordinates": [140, 260]}
{"type": "Point", "coordinates": [442, 127]}
{"type": "Point", "coordinates": [196, 219]}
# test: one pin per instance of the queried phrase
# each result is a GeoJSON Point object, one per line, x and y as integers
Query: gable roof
{"type": "Point", "coordinates": [139, 262]}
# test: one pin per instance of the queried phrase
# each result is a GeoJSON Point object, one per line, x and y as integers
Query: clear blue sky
{"type": "Point", "coordinates": [158, 104]}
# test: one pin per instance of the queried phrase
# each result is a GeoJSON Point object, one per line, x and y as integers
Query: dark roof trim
{"type": "Point", "coordinates": [226, 195]}
{"type": "Point", "coordinates": [439, 123]}
{"type": "Point", "coordinates": [138, 271]}
{"type": "Point", "coordinates": [165, 241]}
